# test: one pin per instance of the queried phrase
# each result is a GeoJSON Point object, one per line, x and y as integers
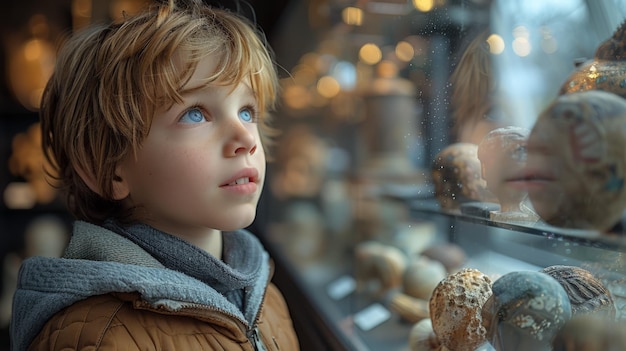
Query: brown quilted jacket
{"type": "Point", "coordinates": [122, 321]}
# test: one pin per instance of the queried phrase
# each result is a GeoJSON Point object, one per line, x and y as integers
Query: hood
{"type": "Point", "coordinates": [47, 285]}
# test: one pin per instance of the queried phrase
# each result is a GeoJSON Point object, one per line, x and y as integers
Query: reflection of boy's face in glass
{"type": "Point", "coordinates": [576, 161]}
{"type": "Point", "coordinates": [503, 156]}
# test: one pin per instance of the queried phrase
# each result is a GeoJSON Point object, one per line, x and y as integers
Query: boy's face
{"type": "Point", "coordinates": [202, 165]}
{"type": "Point", "coordinates": [503, 160]}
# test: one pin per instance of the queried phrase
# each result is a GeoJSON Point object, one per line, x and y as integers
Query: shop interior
{"type": "Point", "coordinates": [380, 187]}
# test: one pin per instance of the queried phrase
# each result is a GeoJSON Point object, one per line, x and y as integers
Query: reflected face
{"type": "Point", "coordinates": [575, 166]}
{"type": "Point", "coordinates": [502, 154]}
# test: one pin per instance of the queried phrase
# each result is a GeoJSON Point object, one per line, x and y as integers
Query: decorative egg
{"type": "Point", "coordinates": [457, 176]}
{"type": "Point", "coordinates": [455, 309]}
{"type": "Point", "coordinates": [597, 75]}
{"type": "Point", "coordinates": [450, 255]}
{"type": "Point", "coordinates": [586, 293]}
{"type": "Point", "coordinates": [422, 337]}
{"type": "Point", "coordinates": [422, 276]}
{"type": "Point", "coordinates": [378, 267]}
{"type": "Point", "coordinates": [577, 161]}
{"type": "Point", "coordinates": [410, 309]}
{"type": "Point", "coordinates": [606, 71]}
{"type": "Point", "coordinates": [525, 311]}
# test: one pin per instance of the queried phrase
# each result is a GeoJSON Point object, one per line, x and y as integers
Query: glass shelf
{"type": "Point", "coordinates": [325, 283]}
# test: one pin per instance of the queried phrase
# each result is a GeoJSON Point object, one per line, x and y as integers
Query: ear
{"type": "Point", "coordinates": [120, 187]}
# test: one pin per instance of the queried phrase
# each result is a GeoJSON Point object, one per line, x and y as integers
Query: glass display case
{"type": "Point", "coordinates": [371, 182]}
{"type": "Point", "coordinates": [339, 313]}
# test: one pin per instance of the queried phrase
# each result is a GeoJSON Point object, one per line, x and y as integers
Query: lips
{"type": "Point", "coordinates": [531, 177]}
{"type": "Point", "coordinates": [240, 181]}
{"type": "Point", "coordinates": [244, 176]}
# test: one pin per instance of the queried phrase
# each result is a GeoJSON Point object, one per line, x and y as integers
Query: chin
{"type": "Point", "coordinates": [238, 223]}
{"type": "Point", "coordinates": [545, 206]}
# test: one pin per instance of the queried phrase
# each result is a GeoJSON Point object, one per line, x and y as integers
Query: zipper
{"type": "Point", "coordinates": [252, 334]}
{"type": "Point", "coordinates": [255, 338]}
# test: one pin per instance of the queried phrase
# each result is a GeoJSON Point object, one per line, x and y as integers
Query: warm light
{"type": "Point", "coordinates": [310, 59]}
{"type": "Point", "coordinates": [496, 44]}
{"type": "Point", "coordinates": [318, 100]}
{"type": "Point", "coordinates": [521, 47]}
{"type": "Point", "coordinates": [424, 5]}
{"type": "Point", "coordinates": [593, 72]}
{"type": "Point", "coordinates": [352, 16]}
{"type": "Point", "coordinates": [81, 8]}
{"type": "Point", "coordinates": [521, 44]}
{"type": "Point", "coordinates": [296, 97]}
{"type": "Point", "coordinates": [81, 13]}
{"type": "Point", "coordinates": [123, 8]}
{"type": "Point", "coordinates": [387, 69]}
{"type": "Point", "coordinates": [370, 54]}
{"type": "Point", "coordinates": [19, 195]}
{"type": "Point", "coordinates": [33, 50]}
{"type": "Point", "coordinates": [304, 74]}
{"type": "Point", "coordinates": [29, 68]}
{"type": "Point", "coordinates": [521, 32]}
{"type": "Point", "coordinates": [405, 51]}
{"type": "Point", "coordinates": [328, 87]}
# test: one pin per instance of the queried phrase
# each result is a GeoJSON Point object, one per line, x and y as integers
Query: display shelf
{"type": "Point", "coordinates": [493, 248]}
{"type": "Point", "coordinates": [332, 314]}
{"type": "Point", "coordinates": [615, 240]}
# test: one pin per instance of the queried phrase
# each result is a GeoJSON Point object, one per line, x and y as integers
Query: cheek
{"type": "Point", "coordinates": [169, 171]}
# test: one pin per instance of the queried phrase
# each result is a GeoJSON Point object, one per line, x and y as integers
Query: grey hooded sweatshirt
{"type": "Point", "coordinates": [164, 269]}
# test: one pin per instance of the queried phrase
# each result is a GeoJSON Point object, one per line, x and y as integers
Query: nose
{"type": "Point", "coordinates": [241, 139]}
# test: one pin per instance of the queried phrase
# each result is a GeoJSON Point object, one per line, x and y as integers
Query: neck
{"type": "Point", "coordinates": [211, 243]}
{"type": "Point", "coordinates": [209, 240]}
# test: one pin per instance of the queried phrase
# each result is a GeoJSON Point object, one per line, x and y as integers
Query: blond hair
{"type": "Point", "coordinates": [108, 82]}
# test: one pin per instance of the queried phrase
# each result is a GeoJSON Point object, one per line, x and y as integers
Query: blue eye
{"type": "Point", "coordinates": [193, 115]}
{"type": "Point", "coordinates": [247, 115]}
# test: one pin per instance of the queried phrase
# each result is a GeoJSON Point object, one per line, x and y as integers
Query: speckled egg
{"type": "Point", "coordinates": [455, 309]}
{"type": "Point", "coordinates": [525, 311]}
{"type": "Point", "coordinates": [586, 293]}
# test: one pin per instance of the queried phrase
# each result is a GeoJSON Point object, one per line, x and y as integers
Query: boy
{"type": "Point", "coordinates": [155, 127]}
